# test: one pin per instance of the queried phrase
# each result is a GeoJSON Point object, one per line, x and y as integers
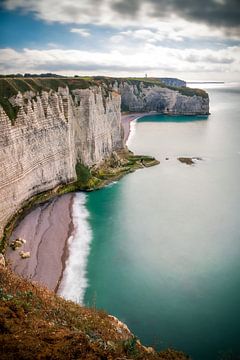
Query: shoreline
{"type": "Point", "coordinates": [127, 118]}
{"type": "Point", "coordinates": [50, 225]}
{"type": "Point", "coordinates": [65, 253]}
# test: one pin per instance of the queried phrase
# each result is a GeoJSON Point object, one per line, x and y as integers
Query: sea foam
{"type": "Point", "coordinates": [74, 282]}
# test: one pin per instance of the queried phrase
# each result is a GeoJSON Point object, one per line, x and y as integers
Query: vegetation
{"type": "Point", "coordinates": [37, 324]}
{"type": "Point", "coordinates": [85, 179]}
{"type": "Point", "coordinates": [190, 92]}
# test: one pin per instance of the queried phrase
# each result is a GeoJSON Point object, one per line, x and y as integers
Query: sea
{"type": "Point", "coordinates": [160, 249]}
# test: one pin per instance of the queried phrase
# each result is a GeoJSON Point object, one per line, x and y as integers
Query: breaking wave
{"type": "Point", "coordinates": [75, 282]}
{"type": "Point", "coordinates": [132, 131]}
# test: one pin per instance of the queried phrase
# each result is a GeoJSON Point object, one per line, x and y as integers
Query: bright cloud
{"type": "Point", "coordinates": [152, 59]}
{"type": "Point", "coordinates": [178, 32]}
{"type": "Point", "coordinates": [81, 32]}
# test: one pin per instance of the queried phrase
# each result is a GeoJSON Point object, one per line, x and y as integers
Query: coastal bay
{"type": "Point", "coordinates": [172, 262]}
{"type": "Point", "coordinates": [168, 263]}
{"type": "Point", "coordinates": [47, 230]}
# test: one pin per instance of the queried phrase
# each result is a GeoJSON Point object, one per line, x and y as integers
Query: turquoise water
{"type": "Point", "coordinates": [166, 240]}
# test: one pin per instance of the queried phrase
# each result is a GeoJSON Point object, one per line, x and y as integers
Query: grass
{"type": "Point", "coordinates": [37, 324]}
{"type": "Point", "coordinates": [154, 81]}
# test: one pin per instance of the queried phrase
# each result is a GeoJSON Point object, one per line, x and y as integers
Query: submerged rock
{"type": "Point", "coordinates": [188, 160]}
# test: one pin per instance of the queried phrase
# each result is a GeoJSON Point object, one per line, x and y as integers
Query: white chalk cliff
{"type": "Point", "coordinates": [145, 97]}
{"type": "Point", "coordinates": [55, 130]}
{"type": "Point", "coordinates": [52, 132]}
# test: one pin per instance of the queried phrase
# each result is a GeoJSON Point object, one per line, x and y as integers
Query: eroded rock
{"type": "Point", "coordinates": [24, 255]}
{"type": "Point", "coordinates": [189, 160]}
{"type": "Point", "coordinates": [17, 243]}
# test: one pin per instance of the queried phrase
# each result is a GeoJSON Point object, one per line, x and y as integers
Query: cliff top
{"type": "Point", "coordinates": [10, 86]}
{"type": "Point", "coordinates": [35, 323]}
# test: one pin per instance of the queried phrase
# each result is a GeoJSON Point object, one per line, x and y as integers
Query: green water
{"type": "Point", "coordinates": [166, 240]}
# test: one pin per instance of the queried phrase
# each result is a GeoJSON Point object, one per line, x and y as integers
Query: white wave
{"type": "Point", "coordinates": [74, 282]}
{"type": "Point", "coordinates": [111, 184]}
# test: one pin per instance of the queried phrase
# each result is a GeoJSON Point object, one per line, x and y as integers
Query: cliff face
{"type": "Point", "coordinates": [97, 125]}
{"type": "Point", "coordinates": [52, 132]}
{"type": "Point", "coordinates": [145, 97]}
{"type": "Point", "coordinates": [62, 122]}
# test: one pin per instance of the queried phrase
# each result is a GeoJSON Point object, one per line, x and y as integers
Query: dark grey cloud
{"type": "Point", "coordinates": [223, 13]}
{"type": "Point", "coordinates": [130, 8]}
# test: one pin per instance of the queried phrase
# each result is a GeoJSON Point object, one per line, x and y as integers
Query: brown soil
{"type": "Point", "coordinates": [37, 324]}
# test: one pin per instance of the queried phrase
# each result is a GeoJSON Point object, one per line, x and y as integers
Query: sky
{"type": "Point", "coordinates": [195, 40]}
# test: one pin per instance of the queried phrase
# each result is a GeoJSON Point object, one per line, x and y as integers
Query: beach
{"type": "Point", "coordinates": [46, 230]}
{"type": "Point", "coordinates": [127, 118]}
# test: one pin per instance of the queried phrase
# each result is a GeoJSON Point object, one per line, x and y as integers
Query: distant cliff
{"type": "Point", "coordinates": [49, 126]}
{"type": "Point", "coordinates": [173, 82]}
{"type": "Point", "coordinates": [152, 95]}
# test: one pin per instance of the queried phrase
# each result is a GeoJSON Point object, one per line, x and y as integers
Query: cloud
{"type": "Point", "coordinates": [155, 60]}
{"type": "Point", "coordinates": [81, 32]}
{"type": "Point", "coordinates": [221, 14]}
{"type": "Point", "coordinates": [166, 31]}
{"type": "Point", "coordinates": [224, 13]}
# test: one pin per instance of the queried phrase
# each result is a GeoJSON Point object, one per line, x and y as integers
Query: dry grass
{"type": "Point", "coordinates": [37, 324]}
